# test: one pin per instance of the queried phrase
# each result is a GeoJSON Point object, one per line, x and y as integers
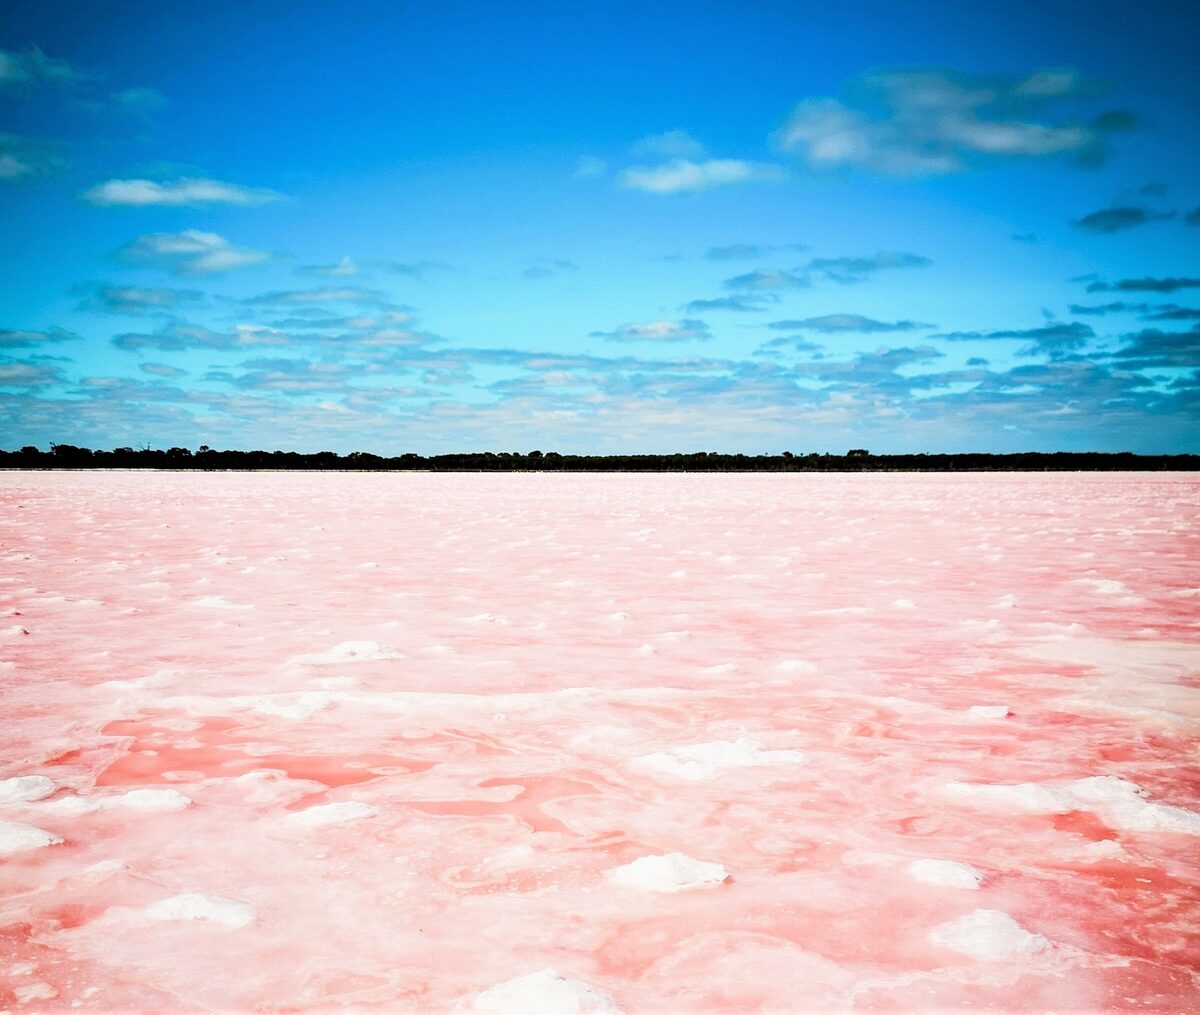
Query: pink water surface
{"type": "Point", "coordinates": [533, 680]}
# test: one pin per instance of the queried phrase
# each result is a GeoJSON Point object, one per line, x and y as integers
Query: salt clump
{"type": "Point", "coordinates": [544, 993]}
{"type": "Point", "coordinates": [24, 788]}
{"type": "Point", "coordinates": [988, 711]}
{"type": "Point", "coordinates": [699, 762]}
{"type": "Point", "coordinates": [946, 873]}
{"type": "Point", "coordinates": [332, 814]}
{"type": "Point", "coordinates": [988, 935]}
{"type": "Point", "coordinates": [672, 872]}
{"type": "Point", "coordinates": [17, 838]}
{"type": "Point", "coordinates": [200, 906]}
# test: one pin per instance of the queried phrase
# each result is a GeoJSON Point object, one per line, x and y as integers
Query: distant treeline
{"type": "Point", "coordinates": [67, 456]}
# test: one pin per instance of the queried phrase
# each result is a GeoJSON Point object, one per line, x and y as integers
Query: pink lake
{"type": "Point", "coordinates": [547, 743]}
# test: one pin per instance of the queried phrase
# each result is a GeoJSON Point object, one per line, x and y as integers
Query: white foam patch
{"type": "Point", "coordinates": [700, 762]}
{"type": "Point", "coordinates": [17, 838]}
{"type": "Point", "coordinates": [988, 935]}
{"type": "Point", "coordinates": [989, 711]}
{"type": "Point", "coordinates": [331, 814]}
{"type": "Point", "coordinates": [23, 788]}
{"type": "Point", "coordinates": [145, 800]}
{"type": "Point", "coordinates": [1118, 802]}
{"type": "Point", "coordinates": [202, 907]}
{"type": "Point", "coordinates": [544, 993]}
{"type": "Point", "coordinates": [671, 872]}
{"type": "Point", "coordinates": [349, 652]}
{"type": "Point", "coordinates": [946, 873]}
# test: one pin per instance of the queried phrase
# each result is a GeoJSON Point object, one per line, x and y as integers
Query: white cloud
{"type": "Point", "coordinates": [936, 122]}
{"type": "Point", "coordinates": [148, 193]}
{"type": "Point", "coordinates": [657, 331]}
{"type": "Point", "coordinates": [31, 65]}
{"type": "Point", "coordinates": [190, 252]}
{"type": "Point", "coordinates": [685, 176]}
{"type": "Point", "coordinates": [344, 268]}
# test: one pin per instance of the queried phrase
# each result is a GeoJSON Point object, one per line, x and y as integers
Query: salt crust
{"type": "Point", "coordinates": [700, 762]}
{"type": "Point", "coordinates": [349, 652]}
{"type": "Point", "coordinates": [988, 935]}
{"type": "Point", "coordinates": [547, 992]}
{"type": "Point", "coordinates": [203, 907]}
{"type": "Point", "coordinates": [331, 814]}
{"type": "Point", "coordinates": [17, 838]}
{"type": "Point", "coordinates": [1120, 803]}
{"type": "Point", "coordinates": [671, 872]}
{"type": "Point", "coordinates": [946, 873]}
{"type": "Point", "coordinates": [24, 788]}
{"type": "Point", "coordinates": [145, 800]}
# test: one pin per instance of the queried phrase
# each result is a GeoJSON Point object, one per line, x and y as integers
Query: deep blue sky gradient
{"type": "Point", "coordinates": [469, 159]}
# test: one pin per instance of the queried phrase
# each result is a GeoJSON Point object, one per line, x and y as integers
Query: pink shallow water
{"type": "Point", "coordinates": [528, 681]}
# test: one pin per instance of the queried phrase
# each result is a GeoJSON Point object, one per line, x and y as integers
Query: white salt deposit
{"type": "Point", "coordinates": [23, 788]}
{"type": "Point", "coordinates": [988, 935]}
{"type": "Point", "coordinates": [17, 838]}
{"type": "Point", "coordinates": [946, 873]}
{"type": "Point", "coordinates": [349, 652]}
{"type": "Point", "coordinates": [145, 800]}
{"type": "Point", "coordinates": [331, 814]}
{"type": "Point", "coordinates": [700, 762]}
{"type": "Point", "coordinates": [797, 666]}
{"type": "Point", "coordinates": [1027, 797]}
{"type": "Point", "coordinates": [989, 711]}
{"type": "Point", "coordinates": [218, 603]}
{"type": "Point", "coordinates": [544, 993]}
{"type": "Point", "coordinates": [302, 705]}
{"type": "Point", "coordinates": [672, 872]}
{"type": "Point", "coordinates": [1120, 803]}
{"type": "Point", "coordinates": [203, 907]}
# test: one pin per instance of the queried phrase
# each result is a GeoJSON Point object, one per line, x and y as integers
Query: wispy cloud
{"type": "Point", "coordinates": [28, 373]}
{"type": "Point", "coordinates": [830, 324]}
{"type": "Point", "coordinates": [25, 158]}
{"type": "Point", "coordinates": [342, 269]}
{"type": "Point", "coordinates": [547, 268]}
{"type": "Point", "coordinates": [671, 144]}
{"type": "Point", "coordinates": [1052, 339]}
{"type": "Point", "coordinates": [180, 336]}
{"type": "Point", "coordinates": [190, 192]}
{"type": "Point", "coordinates": [767, 279]}
{"type": "Point", "coordinates": [190, 252]}
{"type": "Point", "coordinates": [685, 176]}
{"type": "Point", "coordinates": [31, 66]}
{"type": "Point", "coordinates": [657, 331]}
{"type": "Point", "coordinates": [14, 339]}
{"type": "Point", "coordinates": [743, 303]}
{"type": "Point", "coordinates": [136, 300]}
{"type": "Point", "coordinates": [855, 269]}
{"type": "Point", "coordinates": [1146, 285]}
{"type": "Point", "coordinates": [935, 121]}
{"type": "Point", "coordinates": [1113, 220]}
{"type": "Point", "coordinates": [748, 251]}
{"type": "Point", "coordinates": [324, 294]}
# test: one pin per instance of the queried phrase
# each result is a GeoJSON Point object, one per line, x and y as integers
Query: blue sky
{"type": "Point", "coordinates": [600, 227]}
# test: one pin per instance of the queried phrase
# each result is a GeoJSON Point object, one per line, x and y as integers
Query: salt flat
{"type": "Point", "coordinates": [539, 742]}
